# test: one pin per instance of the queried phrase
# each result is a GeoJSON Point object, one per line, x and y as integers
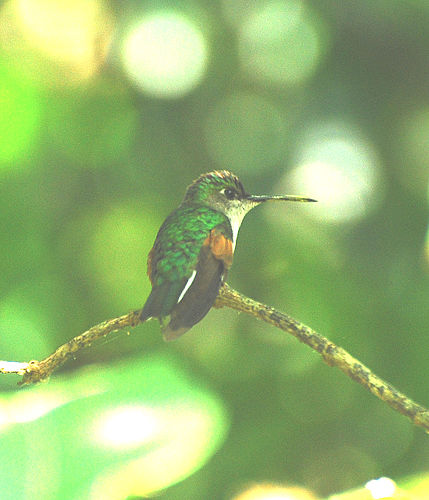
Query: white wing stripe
{"type": "Point", "coordinates": [188, 284]}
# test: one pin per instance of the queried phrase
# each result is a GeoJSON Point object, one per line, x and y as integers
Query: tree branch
{"type": "Point", "coordinates": [331, 353]}
{"type": "Point", "coordinates": [35, 371]}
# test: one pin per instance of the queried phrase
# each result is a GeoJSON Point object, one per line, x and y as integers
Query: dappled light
{"type": "Point", "coordinates": [114, 247]}
{"type": "Point", "coordinates": [341, 170]}
{"type": "Point", "coordinates": [126, 427]}
{"type": "Point", "coordinates": [274, 492]}
{"type": "Point", "coordinates": [62, 43]}
{"type": "Point", "coordinates": [382, 487]}
{"type": "Point", "coordinates": [121, 441]}
{"type": "Point", "coordinates": [178, 438]}
{"type": "Point", "coordinates": [165, 55]}
{"type": "Point", "coordinates": [108, 110]}
{"type": "Point", "coordinates": [280, 42]}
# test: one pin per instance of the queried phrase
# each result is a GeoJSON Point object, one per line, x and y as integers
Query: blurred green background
{"type": "Point", "coordinates": [108, 110]}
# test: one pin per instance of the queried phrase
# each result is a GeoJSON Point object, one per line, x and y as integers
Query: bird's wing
{"type": "Point", "coordinates": [201, 289]}
{"type": "Point", "coordinates": [162, 299]}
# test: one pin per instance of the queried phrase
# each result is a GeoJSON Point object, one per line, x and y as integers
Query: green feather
{"type": "Point", "coordinates": [162, 299]}
{"type": "Point", "coordinates": [180, 239]}
{"type": "Point", "coordinates": [175, 255]}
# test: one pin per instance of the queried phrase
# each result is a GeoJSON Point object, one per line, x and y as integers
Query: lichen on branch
{"type": "Point", "coordinates": [333, 355]}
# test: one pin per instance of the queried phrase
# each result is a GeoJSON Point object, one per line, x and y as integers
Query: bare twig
{"type": "Point", "coordinates": [35, 371]}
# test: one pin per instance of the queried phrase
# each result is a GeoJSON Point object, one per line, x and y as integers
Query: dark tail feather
{"type": "Point", "coordinates": [161, 300]}
{"type": "Point", "coordinates": [146, 313]}
{"type": "Point", "coordinates": [148, 310]}
{"type": "Point", "coordinates": [200, 297]}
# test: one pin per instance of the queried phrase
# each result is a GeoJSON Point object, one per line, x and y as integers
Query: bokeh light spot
{"type": "Point", "coordinates": [274, 492]}
{"type": "Point", "coordinates": [245, 131]}
{"type": "Point", "coordinates": [116, 255]}
{"type": "Point", "coordinates": [184, 435]}
{"type": "Point", "coordinates": [340, 169]}
{"type": "Point", "coordinates": [280, 42]}
{"type": "Point", "coordinates": [165, 55]}
{"type": "Point", "coordinates": [75, 33]}
{"type": "Point", "coordinates": [32, 406]}
{"type": "Point", "coordinates": [126, 427]}
{"type": "Point", "coordinates": [382, 487]}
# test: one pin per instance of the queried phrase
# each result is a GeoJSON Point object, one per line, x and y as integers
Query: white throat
{"type": "Point", "coordinates": [237, 211]}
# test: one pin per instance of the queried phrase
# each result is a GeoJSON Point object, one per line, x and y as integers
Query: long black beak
{"type": "Point", "coordinates": [263, 198]}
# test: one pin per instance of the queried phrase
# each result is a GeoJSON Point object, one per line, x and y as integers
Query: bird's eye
{"type": "Point", "coordinates": [229, 193]}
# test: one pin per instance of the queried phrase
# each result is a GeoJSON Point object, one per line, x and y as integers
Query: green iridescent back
{"type": "Point", "coordinates": [179, 241]}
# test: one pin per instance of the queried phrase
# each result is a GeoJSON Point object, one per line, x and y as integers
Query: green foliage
{"type": "Point", "coordinates": [84, 435]}
{"type": "Point", "coordinates": [325, 99]}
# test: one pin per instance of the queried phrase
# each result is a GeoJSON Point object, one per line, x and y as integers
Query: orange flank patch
{"type": "Point", "coordinates": [220, 246]}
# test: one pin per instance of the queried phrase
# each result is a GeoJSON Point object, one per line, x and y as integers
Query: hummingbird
{"type": "Point", "coordinates": [194, 248]}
